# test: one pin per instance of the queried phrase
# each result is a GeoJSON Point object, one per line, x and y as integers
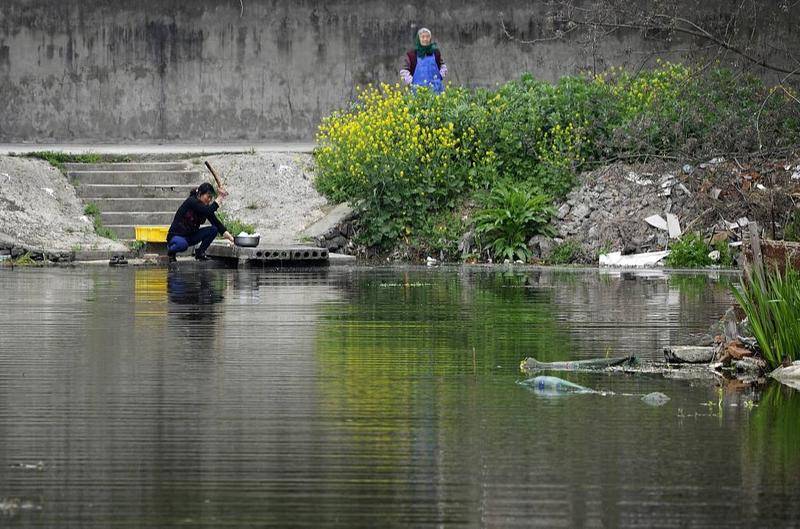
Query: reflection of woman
{"type": "Point", "coordinates": [423, 65]}
{"type": "Point", "coordinates": [185, 230]}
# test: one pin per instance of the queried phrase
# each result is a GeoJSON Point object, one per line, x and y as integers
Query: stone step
{"type": "Point", "coordinates": [137, 218]}
{"type": "Point", "coordinates": [124, 232]}
{"type": "Point", "coordinates": [94, 191]}
{"type": "Point", "coordinates": [80, 178]}
{"type": "Point", "coordinates": [128, 166]}
{"type": "Point", "coordinates": [137, 204]}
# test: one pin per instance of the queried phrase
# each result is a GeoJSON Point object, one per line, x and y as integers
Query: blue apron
{"type": "Point", "coordinates": [427, 74]}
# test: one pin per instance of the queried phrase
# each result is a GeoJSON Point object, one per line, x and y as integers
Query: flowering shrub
{"type": "Point", "coordinates": [394, 156]}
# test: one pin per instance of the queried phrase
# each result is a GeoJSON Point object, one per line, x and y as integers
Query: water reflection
{"type": "Point", "coordinates": [196, 287]}
{"type": "Point", "coordinates": [370, 397]}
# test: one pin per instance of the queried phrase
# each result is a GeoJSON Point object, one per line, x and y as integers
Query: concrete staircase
{"type": "Point", "coordinates": [133, 194]}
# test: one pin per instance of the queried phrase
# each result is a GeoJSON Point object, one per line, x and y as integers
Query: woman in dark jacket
{"type": "Point", "coordinates": [185, 230]}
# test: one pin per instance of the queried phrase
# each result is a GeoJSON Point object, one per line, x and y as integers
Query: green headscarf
{"type": "Point", "coordinates": [424, 51]}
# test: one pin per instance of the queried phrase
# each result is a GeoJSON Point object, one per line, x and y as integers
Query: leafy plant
{"type": "Point", "coordinates": [773, 313]}
{"type": "Point", "coordinates": [510, 217]}
{"type": "Point", "coordinates": [690, 251]}
{"type": "Point", "coordinates": [235, 226]}
{"type": "Point", "coordinates": [565, 253]}
{"type": "Point", "coordinates": [136, 245]}
{"type": "Point", "coordinates": [725, 254]}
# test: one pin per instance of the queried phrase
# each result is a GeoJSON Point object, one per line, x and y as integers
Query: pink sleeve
{"type": "Point", "coordinates": [443, 70]}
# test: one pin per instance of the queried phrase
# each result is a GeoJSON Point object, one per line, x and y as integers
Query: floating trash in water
{"type": "Point", "coordinates": [407, 285]}
{"type": "Point", "coordinates": [28, 466]}
{"type": "Point", "coordinates": [655, 399]}
{"type": "Point", "coordinates": [554, 386]}
{"type": "Point", "coordinates": [544, 385]}
{"type": "Point", "coordinates": [10, 506]}
{"type": "Point", "coordinates": [595, 364]}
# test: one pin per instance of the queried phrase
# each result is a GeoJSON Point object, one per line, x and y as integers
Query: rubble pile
{"type": "Point", "coordinates": [641, 208]}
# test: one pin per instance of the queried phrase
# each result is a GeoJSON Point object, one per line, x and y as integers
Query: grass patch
{"type": "Point", "coordinates": [24, 260]}
{"type": "Point", "coordinates": [773, 313]}
{"type": "Point", "coordinates": [91, 210]}
{"type": "Point", "coordinates": [58, 159]}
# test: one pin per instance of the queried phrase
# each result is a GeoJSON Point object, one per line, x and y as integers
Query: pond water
{"type": "Point", "coordinates": [373, 397]}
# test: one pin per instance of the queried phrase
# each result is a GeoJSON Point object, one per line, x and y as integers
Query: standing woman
{"type": "Point", "coordinates": [423, 65]}
{"type": "Point", "coordinates": [185, 230]}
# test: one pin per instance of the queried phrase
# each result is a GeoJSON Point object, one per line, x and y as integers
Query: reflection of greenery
{"type": "Point", "coordinates": [437, 328]}
{"type": "Point", "coordinates": [501, 316]}
{"type": "Point", "coordinates": [774, 436]}
{"type": "Point", "coordinates": [696, 286]}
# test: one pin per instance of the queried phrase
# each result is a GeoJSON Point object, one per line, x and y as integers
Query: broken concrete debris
{"type": "Point", "coordinates": [625, 208]}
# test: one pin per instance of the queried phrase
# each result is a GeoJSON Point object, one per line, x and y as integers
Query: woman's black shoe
{"type": "Point", "coordinates": [200, 257]}
{"type": "Point", "coordinates": [173, 258]}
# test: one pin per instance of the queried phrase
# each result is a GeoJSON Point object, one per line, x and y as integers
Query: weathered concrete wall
{"type": "Point", "coordinates": [153, 70]}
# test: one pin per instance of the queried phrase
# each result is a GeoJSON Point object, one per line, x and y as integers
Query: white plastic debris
{"type": "Point", "coordinates": [636, 179]}
{"type": "Point", "coordinates": [430, 261]}
{"type": "Point", "coordinates": [635, 260]}
{"type": "Point", "coordinates": [657, 221]}
{"type": "Point", "coordinates": [714, 255]}
{"type": "Point", "coordinates": [48, 191]}
{"type": "Point", "coordinates": [796, 174]}
{"type": "Point", "coordinates": [674, 226]}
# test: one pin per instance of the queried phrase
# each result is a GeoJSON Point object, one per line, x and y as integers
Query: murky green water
{"type": "Point", "coordinates": [371, 398]}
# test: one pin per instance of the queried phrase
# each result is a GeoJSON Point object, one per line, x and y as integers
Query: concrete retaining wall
{"type": "Point", "coordinates": [221, 70]}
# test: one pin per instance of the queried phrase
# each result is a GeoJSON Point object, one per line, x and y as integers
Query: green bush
{"type": "Point", "coordinates": [773, 314]}
{"type": "Point", "coordinates": [690, 251]}
{"type": "Point", "coordinates": [511, 215]}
